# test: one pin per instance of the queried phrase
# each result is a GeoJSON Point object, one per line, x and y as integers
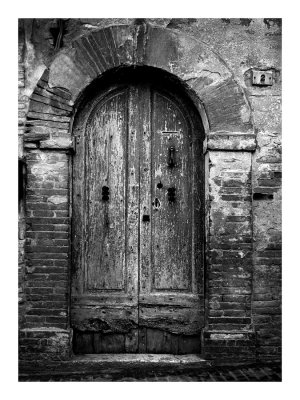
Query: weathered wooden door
{"type": "Point", "coordinates": [137, 280]}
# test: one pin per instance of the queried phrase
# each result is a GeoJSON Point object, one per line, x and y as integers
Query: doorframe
{"type": "Point", "coordinates": [103, 87]}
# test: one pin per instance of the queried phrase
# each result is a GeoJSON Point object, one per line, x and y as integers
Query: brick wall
{"type": "Point", "coordinates": [229, 264]}
{"type": "Point", "coordinates": [267, 232]}
{"type": "Point", "coordinates": [46, 283]}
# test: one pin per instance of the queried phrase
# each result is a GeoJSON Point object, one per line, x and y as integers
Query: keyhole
{"type": "Point", "coordinates": [171, 160]}
{"type": "Point", "coordinates": [262, 78]}
{"type": "Point", "coordinates": [159, 185]}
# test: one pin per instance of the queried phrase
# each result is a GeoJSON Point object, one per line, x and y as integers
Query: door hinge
{"type": "Point", "coordinates": [75, 142]}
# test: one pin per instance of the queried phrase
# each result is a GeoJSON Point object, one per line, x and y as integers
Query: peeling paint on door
{"type": "Point", "coordinates": [138, 224]}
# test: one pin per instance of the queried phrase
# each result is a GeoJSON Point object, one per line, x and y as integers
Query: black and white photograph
{"type": "Point", "coordinates": [149, 173]}
{"type": "Point", "coordinates": [149, 181]}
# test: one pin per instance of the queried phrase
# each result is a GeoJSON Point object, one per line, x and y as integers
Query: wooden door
{"type": "Point", "coordinates": [137, 280]}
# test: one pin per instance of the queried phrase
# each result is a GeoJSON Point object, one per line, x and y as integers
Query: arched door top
{"type": "Point", "coordinates": [220, 100]}
{"type": "Point", "coordinates": [137, 220]}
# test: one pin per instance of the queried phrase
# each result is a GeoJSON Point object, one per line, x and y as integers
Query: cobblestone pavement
{"type": "Point", "coordinates": [257, 373]}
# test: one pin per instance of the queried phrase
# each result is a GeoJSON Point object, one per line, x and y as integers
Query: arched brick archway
{"type": "Point", "coordinates": [220, 100]}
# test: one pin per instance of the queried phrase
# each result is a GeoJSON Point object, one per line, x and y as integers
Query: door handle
{"type": "Point", "coordinates": [171, 157]}
{"type": "Point", "coordinates": [171, 194]}
{"type": "Point", "coordinates": [105, 193]}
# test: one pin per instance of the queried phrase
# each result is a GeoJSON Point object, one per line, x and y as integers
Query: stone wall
{"type": "Point", "coordinates": [215, 59]}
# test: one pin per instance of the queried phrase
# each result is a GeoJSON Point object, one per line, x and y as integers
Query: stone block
{"type": "Point", "coordinates": [234, 142]}
{"type": "Point", "coordinates": [65, 73]}
{"type": "Point", "coordinates": [57, 143]}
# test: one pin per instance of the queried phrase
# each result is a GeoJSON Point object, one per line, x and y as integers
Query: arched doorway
{"type": "Point", "coordinates": [138, 217]}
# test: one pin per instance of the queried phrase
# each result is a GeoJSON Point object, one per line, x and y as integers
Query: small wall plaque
{"type": "Point", "coordinates": [262, 78]}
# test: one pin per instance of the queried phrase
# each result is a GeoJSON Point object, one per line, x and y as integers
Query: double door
{"type": "Point", "coordinates": [137, 247]}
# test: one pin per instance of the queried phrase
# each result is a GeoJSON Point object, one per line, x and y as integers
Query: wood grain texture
{"type": "Point", "coordinates": [172, 221]}
{"type": "Point", "coordinates": [104, 290]}
{"type": "Point", "coordinates": [106, 167]}
{"type": "Point", "coordinates": [173, 319]}
{"type": "Point", "coordinates": [137, 258]}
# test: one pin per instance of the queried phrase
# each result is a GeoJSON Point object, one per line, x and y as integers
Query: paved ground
{"type": "Point", "coordinates": [256, 373]}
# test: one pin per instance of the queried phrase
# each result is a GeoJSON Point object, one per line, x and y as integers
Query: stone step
{"type": "Point", "coordinates": [117, 364]}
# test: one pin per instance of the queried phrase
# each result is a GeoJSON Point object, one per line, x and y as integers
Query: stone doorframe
{"type": "Point", "coordinates": [220, 100]}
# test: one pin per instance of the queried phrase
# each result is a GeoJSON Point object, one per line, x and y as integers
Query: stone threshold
{"type": "Point", "coordinates": [115, 364]}
{"type": "Point", "coordinates": [151, 359]}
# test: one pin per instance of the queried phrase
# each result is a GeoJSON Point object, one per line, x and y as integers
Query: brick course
{"type": "Point", "coordinates": [47, 242]}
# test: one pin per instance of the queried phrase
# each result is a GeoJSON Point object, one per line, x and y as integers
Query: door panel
{"type": "Point", "coordinates": [137, 245]}
{"type": "Point", "coordinates": [170, 300]}
{"type": "Point", "coordinates": [106, 171]}
{"type": "Point", "coordinates": [105, 228]}
{"type": "Point", "coordinates": [172, 220]}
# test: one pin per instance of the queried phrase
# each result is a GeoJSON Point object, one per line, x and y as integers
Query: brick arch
{"type": "Point", "coordinates": [221, 101]}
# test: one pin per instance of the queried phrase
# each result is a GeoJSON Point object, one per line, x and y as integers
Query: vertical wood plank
{"type": "Point", "coordinates": [106, 155]}
{"type": "Point", "coordinates": [109, 343]}
{"type": "Point", "coordinates": [172, 220]}
{"type": "Point", "coordinates": [143, 340]}
{"type": "Point", "coordinates": [144, 132]}
{"type": "Point", "coordinates": [145, 189]}
{"type": "Point", "coordinates": [132, 198]}
{"type": "Point", "coordinates": [145, 200]}
{"type": "Point", "coordinates": [83, 342]}
{"type": "Point", "coordinates": [132, 216]}
{"type": "Point", "coordinates": [114, 343]}
{"type": "Point", "coordinates": [159, 341]}
{"type": "Point", "coordinates": [131, 341]}
{"type": "Point", "coordinates": [97, 343]}
{"type": "Point", "coordinates": [78, 213]}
